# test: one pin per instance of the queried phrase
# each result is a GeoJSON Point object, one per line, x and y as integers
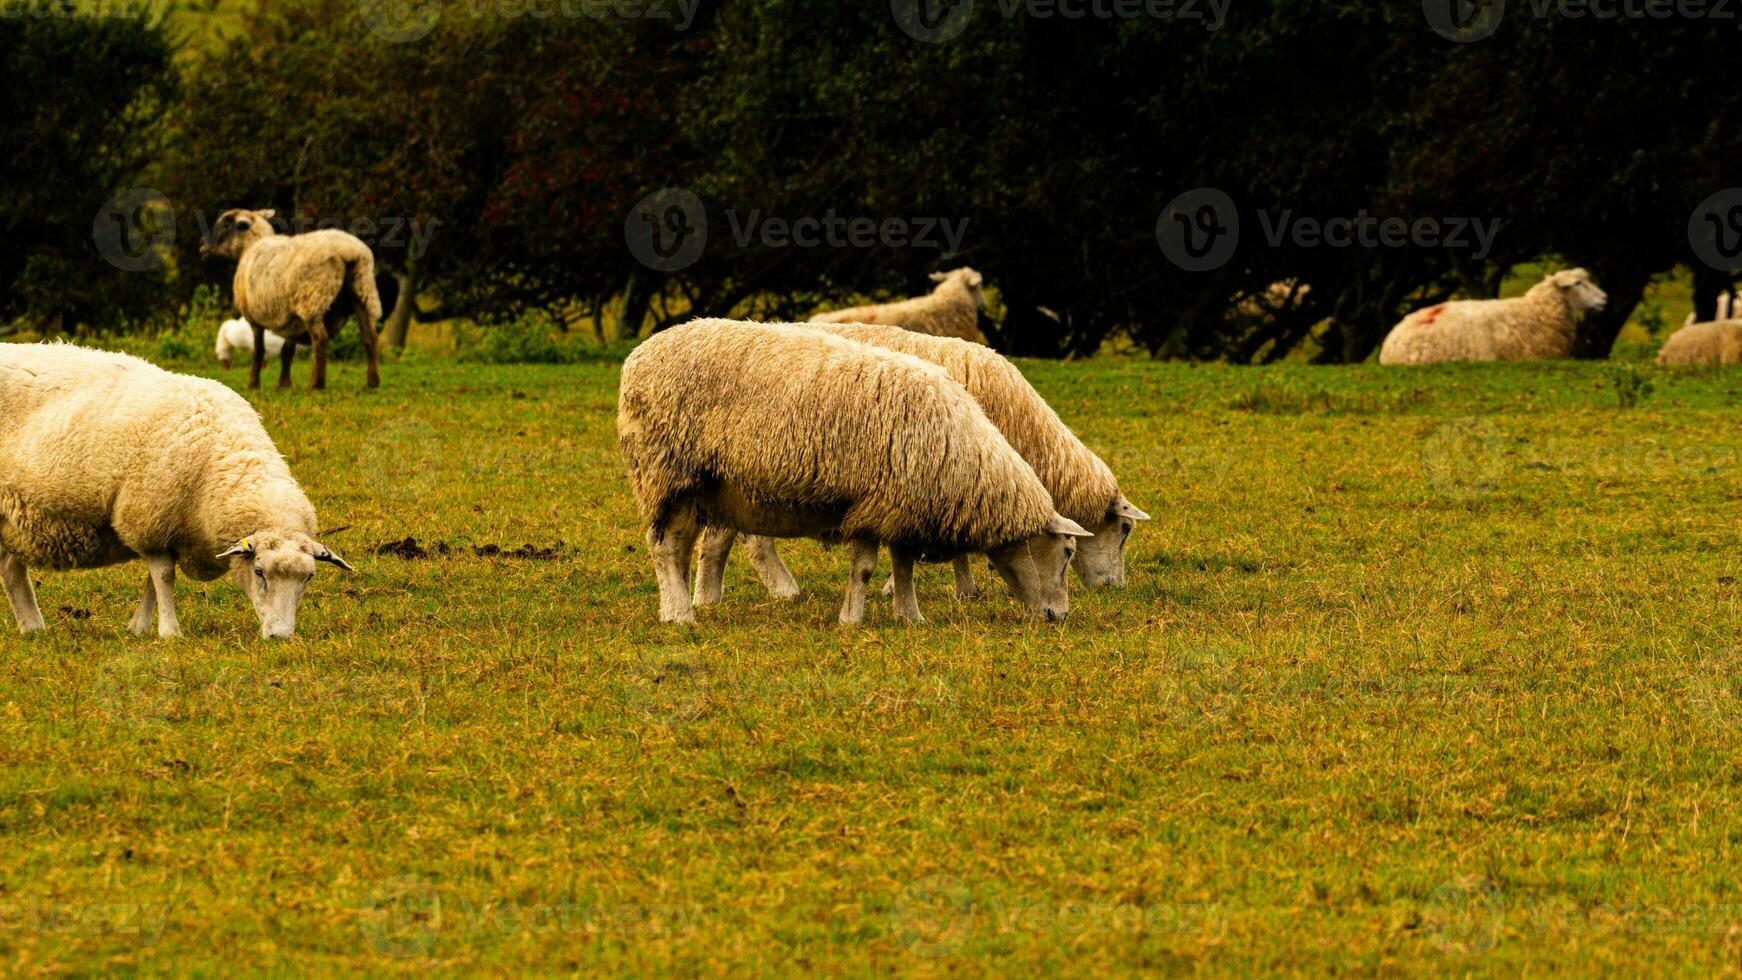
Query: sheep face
{"type": "Point", "coordinates": [1100, 560]}
{"type": "Point", "coordinates": [237, 229]}
{"type": "Point", "coordinates": [1578, 291]}
{"type": "Point", "coordinates": [1035, 568]}
{"type": "Point", "coordinates": [975, 282]}
{"type": "Point", "coordinates": [274, 570]}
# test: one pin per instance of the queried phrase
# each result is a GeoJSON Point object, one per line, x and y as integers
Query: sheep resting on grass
{"type": "Point", "coordinates": [1538, 326]}
{"type": "Point", "coordinates": [950, 310]}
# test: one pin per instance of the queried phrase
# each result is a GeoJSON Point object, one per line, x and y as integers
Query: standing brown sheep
{"type": "Point", "coordinates": [298, 286]}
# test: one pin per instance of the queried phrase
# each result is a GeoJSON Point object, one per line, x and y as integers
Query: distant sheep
{"type": "Point", "coordinates": [1277, 297]}
{"type": "Point", "coordinates": [1540, 325]}
{"type": "Point", "coordinates": [237, 335]}
{"type": "Point", "coordinates": [951, 310]}
{"type": "Point", "coordinates": [1715, 342]}
{"type": "Point", "coordinates": [1083, 488]}
{"type": "Point", "coordinates": [1729, 307]}
{"type": "Point", "coordinates": [105, 458]}
{"type": "Point", "coordinates": [785, 432]}
{"type": "Point", "coordinates": [299, 286]}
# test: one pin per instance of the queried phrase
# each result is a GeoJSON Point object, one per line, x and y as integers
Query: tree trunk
{"type": "Point", "coordinates": [637, 300]}
{"type": "Point", "coordinates": [399, 324]}
{"type": "Point", "coordinates": [1709, 284]}
{"type": "Point", "coordinates": [1598, 332]}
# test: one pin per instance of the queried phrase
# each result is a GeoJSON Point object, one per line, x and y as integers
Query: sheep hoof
{"type": "Point", "coordinates": [784, 591]}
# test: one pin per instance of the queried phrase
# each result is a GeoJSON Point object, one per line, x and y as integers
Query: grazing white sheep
{"type": "Point", "coordinates": [105, 458]}
{"type": "Point", "coordinates": [1083, 488]}
{"type": "Point", "coordinates": [950, 310]}
{"type": "Point", "coordinates": [299, 286]}
{"type": "Point", "coordinates": [1540, 325]}
{"type": "Point", "coordinates": [787, 432]}
{"type": "Point", "coordinates": [237, 335]}
{"type": "Point", "coordinates": [1714, 342]}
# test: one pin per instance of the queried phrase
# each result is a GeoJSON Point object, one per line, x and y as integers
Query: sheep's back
{"type": "Point", "coordinates": [800, 416]}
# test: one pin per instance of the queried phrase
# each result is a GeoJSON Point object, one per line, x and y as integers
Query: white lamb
{"type": "Point", "coordinates": [1538, 326]}
{"type": "Point", "coordinates": [786, 432]}
{"type": "Point", "coordinates": [1083, 488]}
{"type": "Point", "coordinates": [237, 335]}
{"type": "Point", "coordinates": [951, 310]}
{"type": "Point", "coordinates": [105, 458]}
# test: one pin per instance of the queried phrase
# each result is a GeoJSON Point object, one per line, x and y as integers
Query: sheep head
{"type": "Point", "coordinates": [235, 230]}
{"type": "Point", "coordinates": [1100, 560]}
{"type": "Point", "coordinates": [1035, 568]}
{"type": "Point", "coordinates": [274, 569]}
{"type": "Point", "coordinates": [1577, 290]}
{"type": "Point", "coordinates": [972, 281]}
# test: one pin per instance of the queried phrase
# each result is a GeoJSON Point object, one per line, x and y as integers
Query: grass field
{"type": "Point", "coordinates": [1418, 671]}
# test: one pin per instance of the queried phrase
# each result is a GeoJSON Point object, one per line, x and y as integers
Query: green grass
{"type": "Point", "coordinates": [1418, 672]}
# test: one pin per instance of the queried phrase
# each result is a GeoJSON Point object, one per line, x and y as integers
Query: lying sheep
{"type": "Point", "coordinates": [298, 286]}
{"type": "Point", "coordinates": [1540, 325]}
{"type": "Point", "coordinates": [785, 432]}
{"type": "Point", "coordinates": [105, 458]}
{"type": "Point", "coordinates": [1082, 487]}
{"type": "Point", "coordinates": [237, 335]}
{"type": "Point", "coordinates": [1715, 342]}
{"type": "Point", "coordinates": [951, 310]}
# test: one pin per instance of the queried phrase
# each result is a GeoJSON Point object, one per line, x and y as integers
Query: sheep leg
{"type": "Point", "coordinates": [285, 356]}
{"type": "Point", "coordinates": [906, 602]}
{"type": "Point", "coordinates": [318, 339]}
{"type": "Point", "coordinates": [23, 596]}
{"type": "Point", "coordinates": [140, 625]}
{"type": "Point", "coordinates": [775, 576]}
{"type": "Point", "coordinates": [371, 343]}
{"type": "Point", "coordinates": [162, 568]}
{"type": "Point", "coordinates": [258, 361]}
{"type": "Point", "coordinates": [672, 545]}
{"type": "Point", "coordinates": [966, 588]}
{"type": "Point", "coordinates": [711, 580]}
{"type": "Point", "coordinates": [861, 561]}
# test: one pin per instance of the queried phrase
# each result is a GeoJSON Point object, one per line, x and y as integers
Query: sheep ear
{"type": "Point", "coordinates": [326, 554]}
{"type": "Point", "coordinates": [1061, 524]}
{"type": "Point", "coordinates": [267, 214]}
{"type": "Point", "coordinates": [244, 548]}
{"type": "Point", "coordinates": [939, 276]}
{"type": "Point", "coordinates": [975, 279]}
{"type": "Point", "coordinates": [1127, 509]}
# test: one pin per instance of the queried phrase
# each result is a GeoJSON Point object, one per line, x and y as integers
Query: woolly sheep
{"type": "Point", "coordinates": [298, 286]}
{"type": "Point", "coordinates": [1540, 325]}
{"type": "Point", "coordinates": [950, 310]}
{"type": "Point", "coordinates": [237, 335]}
{"type": "Point", "coordinates": [105, 458]}
{"type": "Point", "coordinates": [1082, 487]}
{"type": "Point", "coordinates": [1714, 342]}
{"type": "Point", "coordinates": [785, 432]}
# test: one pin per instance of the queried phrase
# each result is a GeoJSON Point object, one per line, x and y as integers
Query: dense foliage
{"type": "Point", "coordinates": [494, 160]}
